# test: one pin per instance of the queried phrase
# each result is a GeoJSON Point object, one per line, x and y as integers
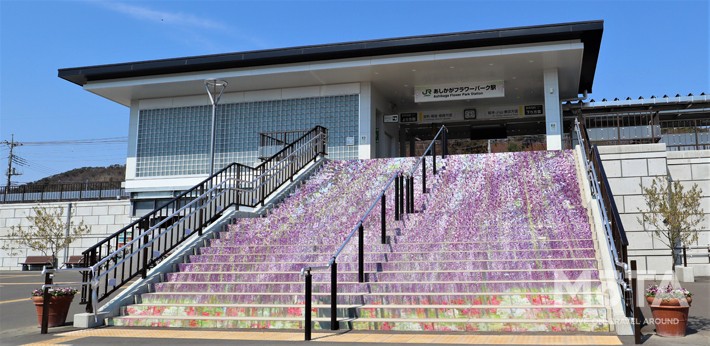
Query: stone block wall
{"type": "Point", "coordinates": [104, 217]}
{"type": "Point", "coordinates": [628, 167]}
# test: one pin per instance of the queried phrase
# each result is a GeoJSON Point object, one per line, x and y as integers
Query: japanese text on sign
{"type": "Point", "coordinates": [459, 91]}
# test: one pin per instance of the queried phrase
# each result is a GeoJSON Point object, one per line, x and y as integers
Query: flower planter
{"type": "Point", "coordinates": [669, 315]}
{"type": "Point", "coordinates": [58, 309]}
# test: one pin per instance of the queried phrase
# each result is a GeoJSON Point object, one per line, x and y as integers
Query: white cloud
{"type": "Point", "coordinates": [172, 18]}
{"type": "Point", "coordinates": [194, 31]}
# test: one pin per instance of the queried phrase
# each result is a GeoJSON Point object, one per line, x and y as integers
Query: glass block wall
{"type": "Point", "coordinates": [176, 141]}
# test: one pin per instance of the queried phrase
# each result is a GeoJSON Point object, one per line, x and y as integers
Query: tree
{"type": "Point", "coordinates": [46, 233]}
{"type": "Point", "coordinates": [673, 212]}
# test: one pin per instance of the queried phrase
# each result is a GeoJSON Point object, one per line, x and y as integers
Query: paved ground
{"type": "Point", "coordinates": [18, 326]}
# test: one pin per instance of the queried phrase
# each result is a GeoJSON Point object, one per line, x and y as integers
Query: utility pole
{"type": "Point", "coordinates": [10, 171]}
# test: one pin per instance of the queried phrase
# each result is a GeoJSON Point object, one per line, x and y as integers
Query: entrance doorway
{"type": "Point", "coordinates": [475, 137]}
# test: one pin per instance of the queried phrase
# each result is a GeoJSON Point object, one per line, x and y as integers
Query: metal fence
{"type": "Point", "coordinates": [648, 127]}
{"type": "Point", "coordinates": [132, 250]}
{"type": "Point", "coordinates": [62, 192]}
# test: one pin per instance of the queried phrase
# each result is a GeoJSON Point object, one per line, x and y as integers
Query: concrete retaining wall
{"type": "Point", "coordinates": [628, 167]}
{"type": "Point", "coordinates": [104, 217]}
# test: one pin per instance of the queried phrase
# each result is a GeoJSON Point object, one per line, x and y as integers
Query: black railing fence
{"type": "Point", "coordinates": [132, 250]}
{"type": "Point", "coordinates": [31, 193]}
{"type": "Point", "coordinates": [611, 221]}
{"type": "Point", "coordinates": [403, 185]}
{"type": "Point", "coordinates": [648, 127]}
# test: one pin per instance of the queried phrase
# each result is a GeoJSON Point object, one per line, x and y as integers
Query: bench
{"type": "Point", "coordinates": [37, 262]}
{"type": "Point", "coordinates": [75, 262]}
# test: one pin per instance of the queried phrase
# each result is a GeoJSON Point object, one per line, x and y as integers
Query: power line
{"type": "Point", "coordinates": [36, 166]}
{"type": "Point", "coordinates": [91, 141]}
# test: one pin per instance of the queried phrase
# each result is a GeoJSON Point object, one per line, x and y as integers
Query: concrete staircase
{"type": "Point", "coordinates": [501, 243]}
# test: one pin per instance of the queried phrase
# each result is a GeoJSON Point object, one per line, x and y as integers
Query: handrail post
{"type": "Point", "coordinates": [307, 312]}
{"type": "Point", "coordinates": [144, 269]}
{"type": "Point", "coordinates": [433, 158]}
{"type": "Point", "coordinates": [237, 189]}
{"type": "Point", "coordinates": [45, 302]}
{"type": "Point", "coordinates": [410, 186]}
{"type": "Point", "coordinates": [401, 194]}
{"type": "Point", "coordinates": [396, 198]}
{"type": "Point", "coordinates": [90, 276]}
{"type": "Point", "coordinates": [200, 205]}
{"type": "Point", "coordinates": [635, 302]}
{"type": "Point", "coordinates": [445, 144]}
{"type": "Point", "coordinates": [405, 197]}
{"type": "Point", "coordinates": [383, 217]}
{"type": "Point", "coordinates": [424, 174]}
{"type": "Point", "coordinates": [334, 296]}
{"type": "Point", "coordinates": [361, 253]}
{"type": "Point", "coordinates": [263, 185]}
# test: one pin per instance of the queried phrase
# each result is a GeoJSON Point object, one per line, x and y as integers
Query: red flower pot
{"type": "Point", "coordinates": [669, 315]}
{"type": "Point", "coordinates": [58, 309]}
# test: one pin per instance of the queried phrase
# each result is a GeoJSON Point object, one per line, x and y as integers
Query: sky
{"type": "Point", "coordinates": [648, 48]}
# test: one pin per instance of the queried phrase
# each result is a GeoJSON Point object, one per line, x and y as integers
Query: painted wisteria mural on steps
{"type": "Point", "coordinates": [501, 242]}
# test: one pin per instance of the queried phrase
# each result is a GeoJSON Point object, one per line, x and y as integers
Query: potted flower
{"type": "Point", "coordinates": [59, 302]}
{"type": "Point", "coordinates": [669, 307]}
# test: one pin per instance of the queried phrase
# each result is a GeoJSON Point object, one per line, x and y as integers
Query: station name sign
{"type": "Point", "coordinates": [459, 91]}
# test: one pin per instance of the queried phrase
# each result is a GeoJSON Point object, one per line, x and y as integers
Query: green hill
{"type": "Point", "coordinates": [83, 175]}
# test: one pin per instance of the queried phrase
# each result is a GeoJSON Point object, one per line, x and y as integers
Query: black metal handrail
{"type": "Point", "coordinates": [270, 140]}
{"type": "Point", "coordinates": [62, 192]}
{"type": "Point", "coordinates": [611, 220]}
{"type": "Point", "coordinates": [404, 203]}
{"type": "Point", "coordinates": [130, 251]}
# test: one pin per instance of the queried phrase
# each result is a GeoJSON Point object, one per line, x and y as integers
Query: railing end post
{"type": "Point", "coordinates": [307, 312]}
{"type": "Point", "coordinates": [45, 303]}
{"type": "Point", "coordinates": [334, 296]}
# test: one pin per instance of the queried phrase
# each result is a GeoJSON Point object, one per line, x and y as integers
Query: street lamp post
{"type": "Point", "coordinates": [215, 89]}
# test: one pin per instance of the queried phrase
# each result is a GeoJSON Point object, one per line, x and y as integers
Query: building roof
{"type": "Point", "coordinates": [589, 33]}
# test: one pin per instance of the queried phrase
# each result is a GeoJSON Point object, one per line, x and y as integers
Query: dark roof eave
{"type": "Point", "coordinates": [589, 33]}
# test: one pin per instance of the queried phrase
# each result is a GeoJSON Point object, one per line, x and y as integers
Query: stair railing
{"type": "Point", "coordinates": [404, 203]}
{"type": "Point", "coordinates": [611, 220]}
{"type": "Point", "coordinates": [131, 251]}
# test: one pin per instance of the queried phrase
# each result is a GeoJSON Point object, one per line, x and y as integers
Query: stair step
{"type": "Point", "coordinates": [206, 263]}
{"type": "Point", "coordinates": [384, 324]}
{"type": "Point", "coordinates": [388, 255]}
{"type": "Point", "coordinates": [406, 247]}
{"type": "Point", "coordinates": [532, 298]}
{"type": "Point", "coordinates": [369, 311]}
{"type": "Point", "coordinates": [499, 285]}
{"type": "Point", "coordinates": [388, 276]}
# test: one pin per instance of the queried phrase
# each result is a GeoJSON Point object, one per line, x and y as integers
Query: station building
{"type": "Point", "coordinates": [377, 98]}
{"type": "Point", "coordinates": [495, 90]}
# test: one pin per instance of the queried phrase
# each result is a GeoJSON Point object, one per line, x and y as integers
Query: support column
{"type": "Point", "coordinates": [132, 157]}
{"type": "Point", "coordinates": [365, 121]}
{"type": "Point", "coordinates": [553, 110]}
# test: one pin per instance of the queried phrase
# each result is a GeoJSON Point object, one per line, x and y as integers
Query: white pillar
{"type": "Point", "coordinates": [365, 122]}
{"type": "Point", "coordinates": [132, 156]}
{"type": "Point", "coordinates": [553, 111]}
